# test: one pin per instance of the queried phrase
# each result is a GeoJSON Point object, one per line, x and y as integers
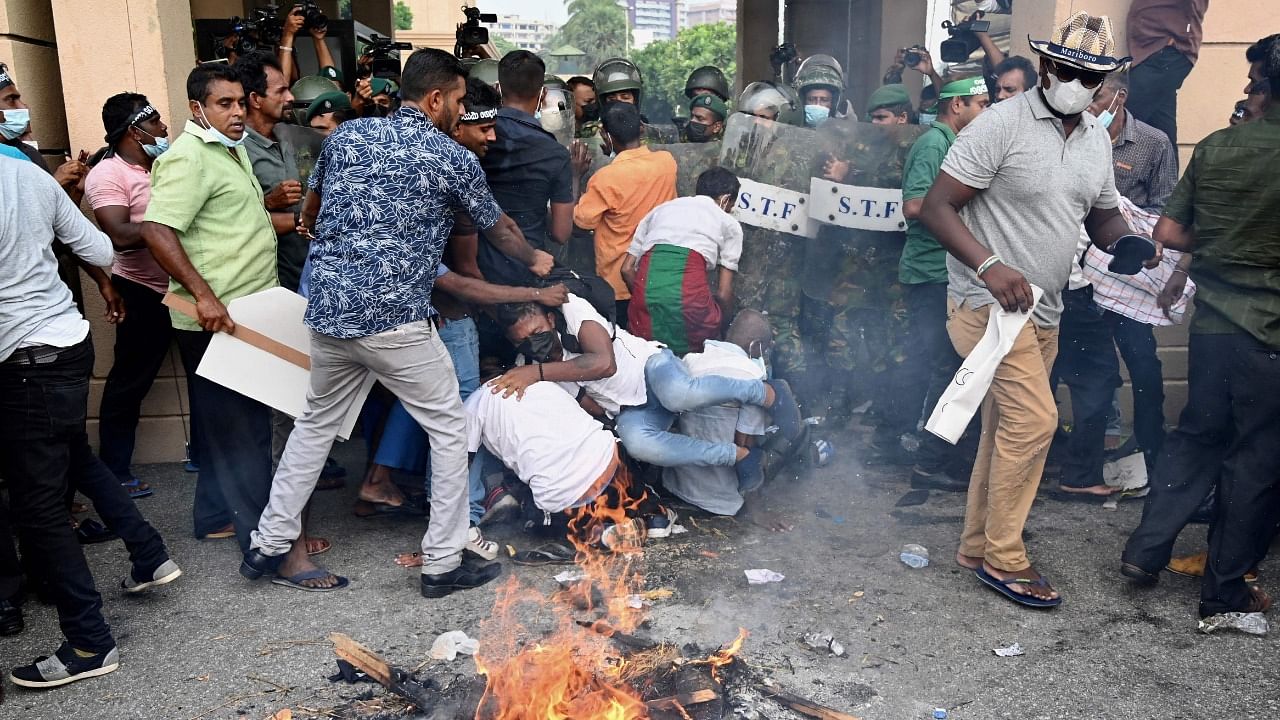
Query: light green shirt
{"type": "Point", "coordinates": [214, 203]}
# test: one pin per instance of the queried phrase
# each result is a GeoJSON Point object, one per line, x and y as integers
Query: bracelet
{"type": "Point", "coordinates": [1184, 272]}
{"type": "Point", "coordinates": [284, 47]}
{"type": "Point", "coordinates": [540, 375]}
{"type": "Point", "coordinates": [986, 264]}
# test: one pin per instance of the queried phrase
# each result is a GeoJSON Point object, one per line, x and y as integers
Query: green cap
{"type": "Point", "coordinates": [379, 86]}
{"type": "Point", "coordinates": [710, 102]}
{"type": "Point", "coordinates": [888, 96]}
{"type": "Point", "coordinates": [327, 103]}
{"type": "Point", "coordinates": [331, 72]}
{"type": "Point", "coordinates": [976, 85]}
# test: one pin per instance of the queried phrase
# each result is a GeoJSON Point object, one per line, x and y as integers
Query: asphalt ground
{"type": "Point", "coordinates": [213, 645]}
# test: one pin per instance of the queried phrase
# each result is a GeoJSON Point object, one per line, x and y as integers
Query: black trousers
{"type": "Point", "coordinates": [931, 361]}
{"type": "Point", "coordinates": [1229, 432]}
{"type": "Point", "coordinates": [1087, 363]}
{"type": "Point", "coordinates": [234, 435]}
{"type": "Point", "coordinates": [1153, 90]}
{"type": "Point", "coordinates": [43, 443]}
{"type": "Point", "coordinates": [1137, 344]}
{"type": "Point", "coordinates": [142, 343]}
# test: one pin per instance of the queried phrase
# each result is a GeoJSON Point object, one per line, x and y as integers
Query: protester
{"type": "Point", "coordinates": [118, 189]}
{"type": "Point", "coordinates": [1014, 76]}
{"type": "Point", "coordinates": [208, 228]}
{"type": "Point", "coordinates": [1165, 38]}
{"type": "Point", "coordinates": [365, 319]}
{"type": "Point", "coordinates": [890, 105]}
{"type": "Point", "coordinates": [621, 194]}
{"type": "Point", "coordinates": [672, 252]}
{"type": "Point", "coordinates": [931, 361]}
{"type": "Point", "coordinates": [17, 128]}
{"type": "Point", "coordinates": [1020, 221]}
{"type": "Point", "coordinates": [639, 384]}
{"type": "Point", "coordinates": [46, 359]}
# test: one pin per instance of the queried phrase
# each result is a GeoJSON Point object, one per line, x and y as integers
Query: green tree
{"type": "Point", "coordinates": [344, 9]}
{"type": "Point", "coordinates": [502, 44]}
{"type": "Point", "coordinates": [666, 65]}
{"type": "Point", "coordinates": [596, 27]}
{"type": "Point", "coordinates": [403, 15]}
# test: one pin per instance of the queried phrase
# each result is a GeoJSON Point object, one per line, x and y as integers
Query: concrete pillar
{"type": "Point", "coordinates": [27, 46]}
{"type": "Point", "coordinates": [757, 35]}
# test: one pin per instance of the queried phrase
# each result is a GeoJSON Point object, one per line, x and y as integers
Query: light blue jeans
{"type": "Point", "coordinates": [645, 430]}
{"type": "Point", "coordinates": [404, 444]}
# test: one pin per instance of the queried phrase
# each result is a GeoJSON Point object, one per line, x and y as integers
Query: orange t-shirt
{"type": "Point", "coordinates": [618, 197]}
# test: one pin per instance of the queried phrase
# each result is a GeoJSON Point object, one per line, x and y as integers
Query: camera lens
{"type": "Point", "coordinates": [911, 58]}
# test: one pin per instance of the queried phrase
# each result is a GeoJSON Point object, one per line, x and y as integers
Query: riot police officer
{"type": "Point", "coordinates": [771, 101]}
{"type": "Point", "coordinates": [305, 91]}
{"type": "Point", "coordinates": [820, 83]}
{"type": "Point", "coordinates": [618, 80]}
{"type": "Point", "coordinates": [707, 79]}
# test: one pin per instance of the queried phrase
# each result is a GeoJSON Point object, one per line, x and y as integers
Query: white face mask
{"type": "Point", "coordinates": [218, 134]}
{"type": "Point", "coordinates": [1068, 98]}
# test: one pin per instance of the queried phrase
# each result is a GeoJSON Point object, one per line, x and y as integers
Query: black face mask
{"type": "Point", "coordinates": [591, 111]}
{"type": "Point", "coordinates": [697, 132]}
{"type": "Point", "coordinates": [540, 347]}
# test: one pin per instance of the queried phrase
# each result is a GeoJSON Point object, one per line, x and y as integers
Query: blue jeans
{"type": "Point", "coordinates": [645, 430]}
{"type": "Point", "coordinates": [1137, 343]}
{"type": "Point", "coordinates": [404, 444]}
{"type": "Point", "coordinates": [1087, 363]}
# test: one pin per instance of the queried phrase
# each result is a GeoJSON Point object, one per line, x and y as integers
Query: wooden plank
{"type": "Point", "coordinates": [242, 333]}
{"type": "Point", "coordinates": [362, 657]}
{"type": "Point", "coordinates": [693, 698]}
{"type": "Point", "coordinates": [804, 706]}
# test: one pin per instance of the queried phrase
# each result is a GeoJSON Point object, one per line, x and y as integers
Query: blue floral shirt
{"type": "Point", "coordinates": [388, 189]}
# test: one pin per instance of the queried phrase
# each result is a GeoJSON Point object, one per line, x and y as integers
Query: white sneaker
{"type": "Point", "coordinates": [163, 575]}
{"type": "Point", "coordinates": [476, 544]}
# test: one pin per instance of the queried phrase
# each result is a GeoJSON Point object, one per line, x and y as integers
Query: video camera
{"type": "Point", "coordinates": [313, 18]}
{"type": "Point", "coordinates": [385, 56]}
{"type": "Point", "coordinates": [962, 42]}
{"type": "Point", "coordinates": [780, 56]}
{"type": "Point", "coordinates": [264, 26]}
{"type": "Point", "coordinates": [471, 33]}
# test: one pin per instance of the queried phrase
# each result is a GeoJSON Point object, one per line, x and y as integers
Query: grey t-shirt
{"type": "Point", "coordinates": [1036, 188]}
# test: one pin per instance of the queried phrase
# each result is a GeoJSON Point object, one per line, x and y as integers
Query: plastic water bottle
{"type": "Point", "coordinates": [914, 556]}
{"type": "Point", "coordinates": [939, 714]}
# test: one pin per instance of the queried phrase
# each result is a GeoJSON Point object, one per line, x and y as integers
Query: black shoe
{"type": "Point", "coordinates": [1138, 575]}
{"type": "Point", "coordinates": [10, 618]}
{"type": "Point", "coordinates": [940, 480]}
{"type": "Point", "coordinates": [332, 470]}
{"type": "Point", "coordinates": [63, 667]}
{"type": "Point", "coordinates": [257, 563]}
{"type": "Point", "coordinates": [785, 412]}
{"type": "Point", "coordinates": [463, 577]}
{"type": "Point", "coordinates": [90, 532]}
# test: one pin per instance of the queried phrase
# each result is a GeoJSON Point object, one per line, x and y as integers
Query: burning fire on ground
{"type": "Point", "coordinates": [577, 670]}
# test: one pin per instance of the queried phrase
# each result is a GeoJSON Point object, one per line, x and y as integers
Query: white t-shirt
{"type": "Point", "coordinates": [625, 387]}
{"type": "Point", "coordinates": [715, 489]}
{"type": "Point", "coordinates": [696, 223]}
{"type": "Point", "coordinates": [547, 439]}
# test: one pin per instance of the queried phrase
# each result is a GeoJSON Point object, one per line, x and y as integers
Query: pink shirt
{"type": "Point", "coordinates": [114, 182]}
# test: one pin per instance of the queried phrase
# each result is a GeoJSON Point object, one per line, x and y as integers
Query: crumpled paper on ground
{"type": "Point", "coordinates": [760, 576]}
{"type": "Point", "coordinates": [449, 644]}
{"type": "Point", "coordinates": [1251, 623]}
{"type": "Point", "coordinates": [1013, 650]}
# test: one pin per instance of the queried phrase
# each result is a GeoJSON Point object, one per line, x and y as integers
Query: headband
{"type": "Point", "coordinates": [963, 88]}
{"type": "Point", "coordinates": [144, 112]}
{"type": "Point", "coordinates": [479, 115]}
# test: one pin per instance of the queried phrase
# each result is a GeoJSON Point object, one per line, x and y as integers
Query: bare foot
{"type": "Point", "coordinates": [317, 545]}
{"type": "Point", "coordinates": [409, 559]}
{"type": "Point", "coordinates": [1099, 490]}
{"type": "Point", "coordinates": [968, 562]}
{"type": "Point", "coordinates": [297, 563]}
{"type": "Point", "coordinates": [378, 488]}
{"type": "Point", "coordinates": [1042, 592]}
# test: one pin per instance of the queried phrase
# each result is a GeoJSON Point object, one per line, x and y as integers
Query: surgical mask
{"type": "Point", "coordinates": [540, 346]}
{"type": "Point", "coordinates": [927, 118]}
{"type": "Point", "coordinates": [217, 134]}
{"type": "Point", "coordinates": [697, 132]}
{"type": "Point", "coordinates": [16, 122]}
{"type": "Point", "coordinates": [1068, 98]}
{"type": "Point", "coordinates": [1108, 116]}
{"type": "Point", "coordinates": [760, 362]}
{"type": "Point", "coordinates": [815, 115]}
{"type": "Point", "coordinates": [156, 150]}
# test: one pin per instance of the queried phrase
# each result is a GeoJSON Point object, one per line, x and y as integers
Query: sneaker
{"type": "Point", "coordinates": [660, 524]}
{"type": "Point", "coordinates": [63, 667]}
{"type": "Point", "coordinates": [624, 537]}
{"type": "Point", "coordinates": [91, 532]}
{"type": "Point", "coordinates": [163, 575]}
{"type": "Point", "coordinates": [477, 545]}
{"type": "Point", "coordinates": [750, 470]}
{"type": "Point", "coordinates": [463, 577]}
{"type": "Point", "coordinates": [191, 466]}
{"type": "Point", "coordinates": [332, 469]}
{"type": "Point", "coordinates": [784, 411]}
{"type": "Point", "coordinates": [499, 506]}
{"type": "Point", "coordinates": [11, 622]}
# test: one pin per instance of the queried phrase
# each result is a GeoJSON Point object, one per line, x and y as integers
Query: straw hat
{"type": "Point", "coordinates": [1084, 41]}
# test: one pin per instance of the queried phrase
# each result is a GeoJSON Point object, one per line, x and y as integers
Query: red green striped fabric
{"type": "Point", "coordinates": [672, 301]}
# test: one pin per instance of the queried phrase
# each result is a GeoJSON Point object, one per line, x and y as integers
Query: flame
{"type": "Point", "coordinates": [725, 656]}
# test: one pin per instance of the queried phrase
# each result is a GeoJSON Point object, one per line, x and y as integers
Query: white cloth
{"type": "Point", "coordinates": [626, 386]}
{"type": "Point", "coordinates": [1136, 296]}
{"type": "Point", "coordinates": [62, 331]}
{"type": "Point", "coordinates": [547, 439]}
{"type": "Point", "coordinates": [696, 223]}
{"type": "Point", "coordinates": [715, 489]}
{"type": "Point", "coordinates": [964, 394]}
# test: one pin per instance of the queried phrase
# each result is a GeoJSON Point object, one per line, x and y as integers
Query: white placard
{"type": "Point", "coordinates": [852, 206]}
{"type": "Point", "coordinates": [260, 375]}
{"type": "Point", "coordinates": [774, 208]}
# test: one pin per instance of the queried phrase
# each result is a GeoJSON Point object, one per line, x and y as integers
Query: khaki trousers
{"type": "Point", "coordinates": [1019, 418]}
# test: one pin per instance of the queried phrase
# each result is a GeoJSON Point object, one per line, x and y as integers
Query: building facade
{"type": "Point", "coordinates": [710, 12]}
{"type": "Point", "coordinates": [660, 19]}
{"type": "Point", "coordinates": [531, 35]}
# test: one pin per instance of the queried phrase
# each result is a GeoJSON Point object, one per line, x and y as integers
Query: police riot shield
{"type": "Point", "coordinates": [306, 147]}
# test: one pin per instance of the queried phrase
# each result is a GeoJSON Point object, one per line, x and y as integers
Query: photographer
{"type": "Point", "coordinates": [304, 16]}
{"type": "Point", "coordinates": [917, 58]}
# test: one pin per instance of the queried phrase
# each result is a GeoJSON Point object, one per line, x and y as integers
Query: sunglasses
{"type": "Point", "coordinates": [1067, 73]}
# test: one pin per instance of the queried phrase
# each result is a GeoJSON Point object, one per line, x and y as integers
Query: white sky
{"type": "Point", "coordinates": [548, 10]}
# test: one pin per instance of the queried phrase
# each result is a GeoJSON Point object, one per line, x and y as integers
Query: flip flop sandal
{"type": "Point", "coordinates": [1002, 587]}
{"type": "Point", "coordinates": [1077, 497]}
{"type": "Point", "coordinates": [551, 553]}
{"type": "Point", "coordinates": [331, 483]}
{"type": "Point", "coordinates": [373, 509]}
{"type": "Point", "coordinates": [325, 546]}
{"type": "Point", "coordinates": [136, 490]}
{"type": "Point", "coordinates": [295, 581]}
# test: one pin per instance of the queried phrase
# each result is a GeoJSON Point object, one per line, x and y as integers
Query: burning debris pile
{"type": "Point", "coordinates": [574, 654]}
